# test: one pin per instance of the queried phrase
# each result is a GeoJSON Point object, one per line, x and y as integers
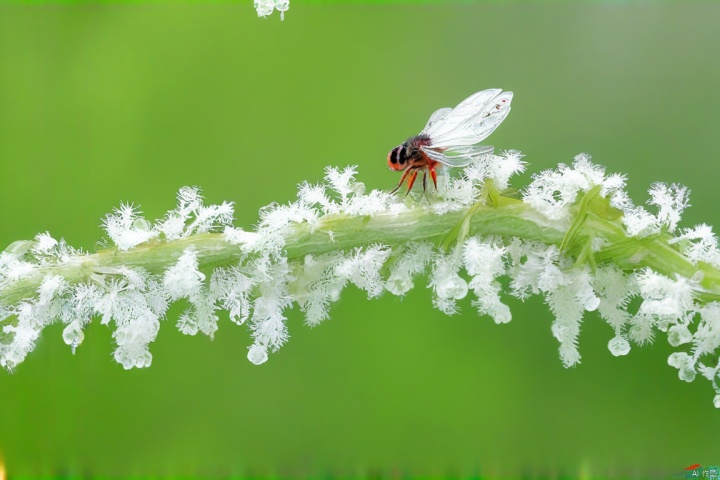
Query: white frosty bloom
{"type": "Point", "coordinates": [183, 279]}
{"type": "Point", "coordinates": [261, 274]}
{"type": "Point", "coordinates": [45, 244]}
{"type": "Point", "coordinates": [614, 290]}
{"type": "Point", "coordinates": [316, 284]}
{"type": "Point", "coordinates": [498, 168]}
{"type": "Point", "coordinates": [618, 346]}
{"type": "Point", "coordinates": [457, 194]}
{"type": "Point", "coordinates": [707, 337]}
{"type": "Point", "coordinates": [362, 268]}
{"type": "Point", "coordinates": [568, 302]}
{"type": "Point", "coordinates": [266, 7]}
{"type": "Point", "coordinates": [670, 201]}
{"type": "Point", "coordinates": [275, 218]}
{"type": "Point", "coordinates": [127, 228]}
{"type": "Point", "coordinates": [232, 287]}
{"type": "Point", "coordinates": [316, 195]}
{"type": "Point", "coordinates": [484, 260]}
{"type": "Point", "coordinates": [685, 365]}
{"type": "Point", "coordinates": [412, 260]}
{"type": "Point", "coordinates": [343, 181]}
{"type": "Point", "coordinates": [192, 216]}
{"type": "Point", "coordinates": [257, 354]}
{"type": "Point", "coordinates": [268, 320]}
{"type": "Point", "coordinates": [553, 191]}
{"type": "Point", "coordinates": [665, 299]}
{"type": "Point", "coordinates": [699, 244]}
{"type": "Point", "coordinates": [12, 268]}
{"type": "Point", "coordinates": [534, 268]}
{"type": "Point", "coordinates": [446, 283]}
{"type": "Point", "coordinates": [73, 335]}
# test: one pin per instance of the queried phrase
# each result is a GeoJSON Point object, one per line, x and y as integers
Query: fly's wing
{"type": "Point", "coordinates": [465, 109]}
{"type": "Point", "coordinates": [471, 121]}
{"type": "Point", "coordinates": [437, 117]}
{"type": "Point", "coordinates": [458, 157]}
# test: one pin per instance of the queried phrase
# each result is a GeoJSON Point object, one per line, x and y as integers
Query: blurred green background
{"type": "Point", "coordinates": [102, 103]}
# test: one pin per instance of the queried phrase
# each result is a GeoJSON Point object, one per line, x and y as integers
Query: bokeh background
{"type": "Point", "coordinates": [106, 102]}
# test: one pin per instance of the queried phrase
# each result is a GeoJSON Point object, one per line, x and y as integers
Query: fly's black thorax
{"type": "Point", "coordinates": [409, 153]}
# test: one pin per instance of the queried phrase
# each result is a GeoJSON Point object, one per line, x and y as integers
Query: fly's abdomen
{"type": "Point", "coordinates": [398, 158]}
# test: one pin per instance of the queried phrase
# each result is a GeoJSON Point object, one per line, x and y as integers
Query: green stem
{"type": "Point", "coordinates": [341, 232]}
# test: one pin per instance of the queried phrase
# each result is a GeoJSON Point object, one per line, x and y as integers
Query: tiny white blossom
{"type": "Point", "coordinates": [45, 244]}
{"type": "Point", "coordinates": [187, 324]}
{"type": "Point", "coordinates": [266, 7]}
{"type": "Point", "coordinates": [249, 241]}
{"type": "Point", "coordinates": [484, 261]}
{"type": "Point", "coordinates": [192, 216]}
{"type": "Point", "coordinates": [568, 301]}
{"type": "Point", "coordinates": [342, 181]}
{"type": "Point", "coordinates": [73, 335]}
{"type": "Point", "coordinates": [363, 269]}
{"type": "Point", "coordinates": [614, 290]}
{"type": "Point", "coordinates": [642, 328]}
{"type": "Point", "coordinates": [666, 299]}
{"type": "Point", "coordinates": [127, 228]}
{"type": "Point", "coordinates": [498, 168]}
{"type": "Point", "coordinates": [184, 279]}
{"type": "Point", "coordinates": [618, 346]}
{"type": "Point", "coordinates": [671, 201]}
{"type": "Point", "coordinates": [639, 222]}
{"type": "Point", "coordinates": [316, 284]}
{"type": "Point", "coordinates": [612, 187]}
{"type": "Point", "coordinates": [707, 337]}
{"type": "Point", "coordinates": [316, 195]}
{"type": "Point", "coordinates": [446, 283]}
{"type": "Point", "coordinates": [412, 261]}
{"type": "Point", "coordinates": [232, 286]}
{"type": "Point", "coordinates": [553, 191]}
{"type": "Point", "coordinates": [257, 354]}
{"type": "Point", "coordinates": [13, 268]}
{"type": "Point", "coordinates": [538, 272]}
{"type": "Point", "coordinates": [700, 244]}
{"type": "Point", "coordinates": [685, 365]}
{"type": "Point", "coordinates": [679, 335]}
{"type": "Point", "coordinates": [506, 165]}
{"type": "Point", "coordinates": [268, 320]}
{"type": "Point", "coordinates": [457, 193]}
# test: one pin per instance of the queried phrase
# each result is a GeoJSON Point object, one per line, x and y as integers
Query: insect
{"type": "Point", "coordinates": [451, 137]}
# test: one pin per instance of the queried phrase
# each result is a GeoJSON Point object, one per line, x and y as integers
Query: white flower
{"type": "Point", "coordinates": [484, 261]}
{"type": "Point", "coordinates": [338, 233]}
{"type": "Point", "coordinates": [183, 279]}
{"type": "Point", "coordinates": [266, 7]}
{"type": "Point", "coordinates": [127, 228]}
{"type": "Point", "coordinates": [413, 260]}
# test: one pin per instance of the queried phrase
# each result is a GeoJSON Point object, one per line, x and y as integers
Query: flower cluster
{"type": "Point", "coordinates": [266, 7]}
{"type": "Point", "coordinates": [572, 236]}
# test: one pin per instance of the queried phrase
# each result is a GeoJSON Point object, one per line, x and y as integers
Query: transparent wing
{"type": "Point", "coordinates": [471, 121]}
{"type": "Point", "coordinates": [463, 111]}
{"type": "Point", "coordinates": [437, 116]}
{"type": "Point", "coordinates": [457, 157]}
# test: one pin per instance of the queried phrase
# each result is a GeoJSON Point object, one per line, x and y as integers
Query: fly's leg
{"type": "Point", "coordinates": [425, 187]}
{"type": "Point", "coordinates": [402, 180]}
{"type": "Point", "coordinates": [433, 175]}
{"type": "Point", "coordinates": [411, 181]}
